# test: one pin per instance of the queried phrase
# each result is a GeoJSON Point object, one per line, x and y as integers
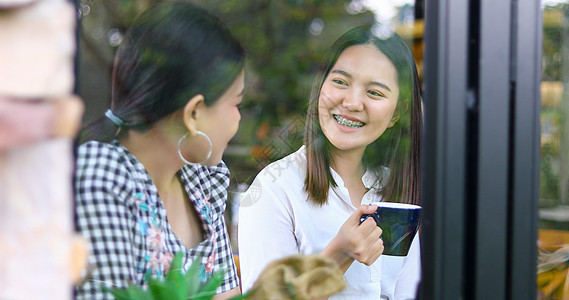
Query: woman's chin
{"type": "Point", "coordinates": [346, 145]}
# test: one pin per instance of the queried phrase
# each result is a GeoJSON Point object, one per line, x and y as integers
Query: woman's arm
{"type": "Point", "coordinates": [103, 218]}
{"type": "Point", "coordinates": [266, 228]}
{"type": "Point", "coordinates": [224, 259]}
{"type": "Point", "coordinates": [228, 295]}
{"type": "Point", "coordinates": [356, 241]}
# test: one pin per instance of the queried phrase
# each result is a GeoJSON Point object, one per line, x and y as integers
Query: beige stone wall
{"type": "Point", "coordinates": [37, 48]}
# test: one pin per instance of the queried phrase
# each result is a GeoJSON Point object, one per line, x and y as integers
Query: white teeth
{"type": "Point", "coordinates": [348, 123]}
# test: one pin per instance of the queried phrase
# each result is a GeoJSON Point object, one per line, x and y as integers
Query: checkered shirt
{"type": "Point", "coordinates": [120, 213]}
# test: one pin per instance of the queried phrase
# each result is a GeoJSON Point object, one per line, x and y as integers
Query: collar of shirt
{"type": "Point", "coordinates": [371, 182]}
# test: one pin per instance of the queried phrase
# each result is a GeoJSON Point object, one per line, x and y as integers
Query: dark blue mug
{"type": "Point", "coordinates": [399, 223]}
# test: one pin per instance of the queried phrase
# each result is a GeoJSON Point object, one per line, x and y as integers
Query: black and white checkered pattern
{"type": "Point", "coordinates": [111, 188]}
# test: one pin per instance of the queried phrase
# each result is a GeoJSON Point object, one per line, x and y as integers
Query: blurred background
{"type": "Point", "coordinates": [553, 233]}
{"type": "Point", "coordinates": [285, 40]}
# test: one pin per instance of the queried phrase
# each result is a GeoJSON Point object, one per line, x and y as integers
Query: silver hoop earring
{"type": "Point", "coordinates": [208, 153]}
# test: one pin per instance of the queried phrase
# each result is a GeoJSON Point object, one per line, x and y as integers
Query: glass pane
{"type": "Point", "coordinates": [285, 42]}
{"type": "Point", "coordinates": [282, 67]}
{"type": "Point", "coordinates": [553, 234]}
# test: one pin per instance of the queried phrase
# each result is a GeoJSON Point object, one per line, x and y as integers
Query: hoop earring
{"type": "Point", "coordinates": [208, 153]}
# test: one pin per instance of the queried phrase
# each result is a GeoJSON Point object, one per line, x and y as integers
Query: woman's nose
{"type": "Point", "coordinates": [352, 102]}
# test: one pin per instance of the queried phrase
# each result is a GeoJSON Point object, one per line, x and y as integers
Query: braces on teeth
{"type": "Point", "coordinates": [348, 123]}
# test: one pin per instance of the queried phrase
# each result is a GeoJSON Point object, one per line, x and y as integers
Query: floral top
{"type": "Point", "coordinates": [119, 211]}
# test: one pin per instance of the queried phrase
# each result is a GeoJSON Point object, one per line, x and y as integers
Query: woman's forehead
{"type": "Point", "coordinates": [366, 62]}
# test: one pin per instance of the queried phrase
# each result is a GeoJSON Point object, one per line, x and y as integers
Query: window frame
{"type": "Point", "coordinates": [481, 153]}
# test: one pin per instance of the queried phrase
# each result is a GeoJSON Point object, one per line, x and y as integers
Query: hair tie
{"type": "Point", "coordinates": [111, 116]}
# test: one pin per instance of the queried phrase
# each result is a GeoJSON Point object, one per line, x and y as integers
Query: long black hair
{"type": "Point", "coordinates": [171, 53]}
{"type": "Point", "coordinates": [395, 155]}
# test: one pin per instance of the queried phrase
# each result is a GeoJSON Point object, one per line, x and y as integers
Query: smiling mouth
{"type": "Point", "coordinates": [348, 123]}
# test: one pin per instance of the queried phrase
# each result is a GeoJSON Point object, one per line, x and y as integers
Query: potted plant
{"type": "Point", "coordinates": [176, 285]}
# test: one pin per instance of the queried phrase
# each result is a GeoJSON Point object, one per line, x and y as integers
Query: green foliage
{"type": "Point", "coordinates": [176, 285]}
{"type": "Point", "coordinates": [283, 54]}
{"type": "Point", "coordinates": [554, 37]}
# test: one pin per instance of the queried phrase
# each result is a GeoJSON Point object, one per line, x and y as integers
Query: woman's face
{"type": "Point", "coordinates": [358, 98]}
{"type": "Point", "coordinates": [221, 120]}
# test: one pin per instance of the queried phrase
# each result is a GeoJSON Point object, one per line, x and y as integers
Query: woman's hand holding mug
{"type": "Point", "coordinates": [355, 241]}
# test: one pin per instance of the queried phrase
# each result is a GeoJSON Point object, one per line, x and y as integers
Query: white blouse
{"type": "Point", "coordinates": [276, 220]}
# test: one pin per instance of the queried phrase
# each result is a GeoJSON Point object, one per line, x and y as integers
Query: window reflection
{"type": "Point", "coordinates": [285, 42]}
{"type": "Point", "coordinates": [553, 234]}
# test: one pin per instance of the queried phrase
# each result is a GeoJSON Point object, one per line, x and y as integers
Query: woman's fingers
{"type": "Point", "coordinates": [354, 219]}
{"type": "Point", "coordinates": [362, 241]}
{"type": "Point", "coordinates": [367, 243]}
{"type": "Point", "coordinates": [376, 252]}
{"type": "Point", "coordinates": [368, 226]}
{"type": "Point", "coordinates": [370, 245]}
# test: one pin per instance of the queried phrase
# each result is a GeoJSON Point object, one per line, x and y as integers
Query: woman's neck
{"type": "Point", "coordinates": [158, 155]}
{"type": "Point", "coordinates": [348, 164]}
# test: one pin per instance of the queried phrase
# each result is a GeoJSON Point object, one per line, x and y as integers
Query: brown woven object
{"type": "Point", "coordinates": [299, 277]}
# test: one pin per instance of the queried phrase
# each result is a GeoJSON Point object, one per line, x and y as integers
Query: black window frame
{"type": "Point", "coordinates": [481, 154]}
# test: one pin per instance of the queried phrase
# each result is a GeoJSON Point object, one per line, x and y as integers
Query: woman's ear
{"type": "Point", "coordinates": [401, 108]}
{"type": "Point", "coordinates": [191, 112]}
{"type": "Point", "coordinates": [395, 118]}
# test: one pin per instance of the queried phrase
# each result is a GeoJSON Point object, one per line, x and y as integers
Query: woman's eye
{"type": "Point", "coordinates": [339, 81]}
{"type": "Point", "coordinates": [376, 94]}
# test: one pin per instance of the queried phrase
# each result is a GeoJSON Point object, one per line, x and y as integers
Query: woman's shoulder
{"type": "Point", "coordinates": [98, 152]}
{"type": "Point", "coordinates": [279, 182]}
{"type": "Point", "coordinates": [286, 170]}
{"type": "Point", "coordinates": [103, 162]}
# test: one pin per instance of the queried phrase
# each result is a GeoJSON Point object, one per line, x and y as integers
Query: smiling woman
{"type": "Point", "coordinates": [356, 104]}
{"type": "Point", "coordinates": [362, 143]}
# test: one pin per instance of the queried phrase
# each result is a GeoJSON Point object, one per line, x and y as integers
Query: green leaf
{"type": "Point", "coordinates": [208, 289]}
{"type": "Point", "coordinates": [132, 292]}
{"type": "Point", "coordinates": [176, 277]}
{"type": "Point", "coordinates": [117, 293]}
{"type": "Point", "coordinates": [245, 296]}
{"type": "Point", "coordinates": [175, 271]}
{"type": "Point", "coordinates": [136, 292]}
{"type": "Point", "coordinates": [176, 285]}
{"type": "Point", "coordinates": [160, 289]}
{"type": "Point", "coordinates": [192, 278]}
